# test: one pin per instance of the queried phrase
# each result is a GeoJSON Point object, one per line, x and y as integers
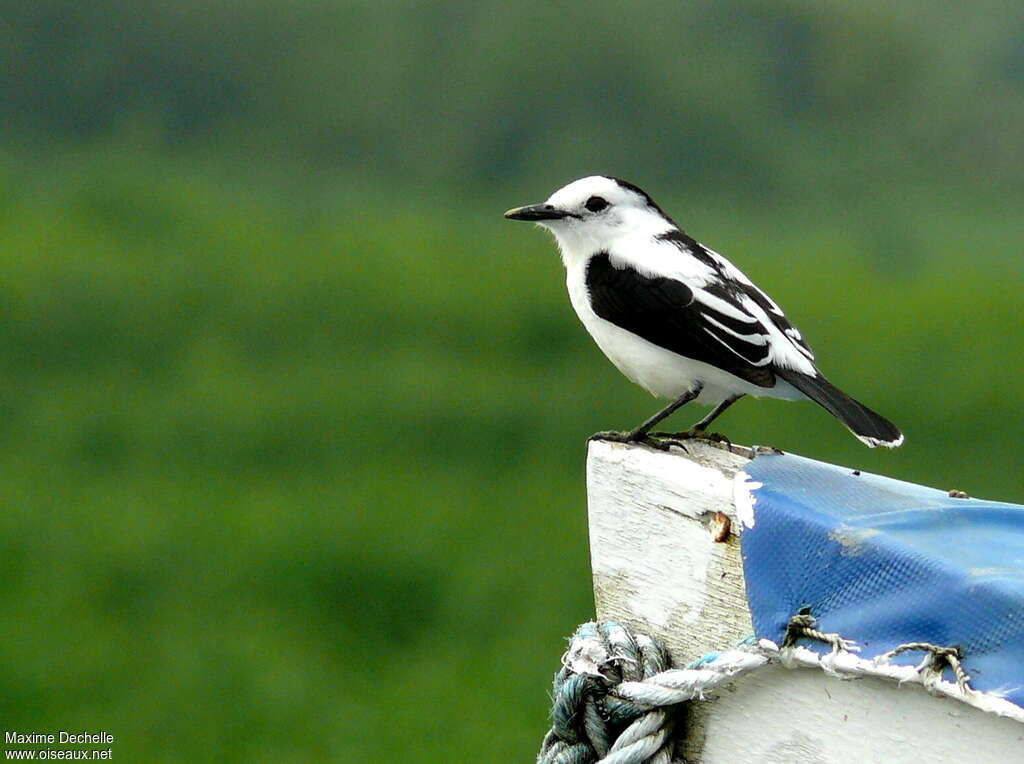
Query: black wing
{"type": "Point", "coordinates": [739, 283]}
{"type": "Point", "coordinates": [713, 329]}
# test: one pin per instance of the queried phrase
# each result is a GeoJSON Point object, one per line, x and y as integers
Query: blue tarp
{"type": "Point", "coordinates": [885, 562]}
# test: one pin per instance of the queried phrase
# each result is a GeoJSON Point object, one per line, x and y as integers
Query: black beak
{"type": "Point", "coordinates": [537, 212]}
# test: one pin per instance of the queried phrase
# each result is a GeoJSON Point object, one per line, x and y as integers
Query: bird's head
{"type": "Point", "coordinates": [592, 212]}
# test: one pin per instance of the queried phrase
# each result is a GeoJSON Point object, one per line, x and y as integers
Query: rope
{"type": "Point", "coordinates": [937, 659]}
{"type": "Point", "coordinates": [588, 722]}
{"type": "Point", "coordinates": [617, 700]}
{"type": "Point", "coordinates": [803, 625]}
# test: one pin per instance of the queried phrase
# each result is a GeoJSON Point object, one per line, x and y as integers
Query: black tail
{"type": "Point", "coordinates": [873, 429]}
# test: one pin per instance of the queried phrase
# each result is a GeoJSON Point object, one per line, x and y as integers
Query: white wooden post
{"type": "Point", "coordinates": [658, 568]}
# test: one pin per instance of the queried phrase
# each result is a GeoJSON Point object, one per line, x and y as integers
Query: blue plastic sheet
{"type": "Point", "coordinates": [885, 562]}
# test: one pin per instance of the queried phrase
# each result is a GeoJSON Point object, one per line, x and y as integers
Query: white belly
{"type": "Point", "coordinates": [659, 371]}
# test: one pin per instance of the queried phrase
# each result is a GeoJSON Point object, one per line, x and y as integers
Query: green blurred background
{"type": "Point", "coordinates": [293, 422]}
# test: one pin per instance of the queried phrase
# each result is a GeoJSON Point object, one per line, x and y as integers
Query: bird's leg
{"type": "Point", "coordinates": [698, 430]}
{"type": "Point", "coordinates": [716, 412]}
{"type": "Point", "coordinates": [641, 433]}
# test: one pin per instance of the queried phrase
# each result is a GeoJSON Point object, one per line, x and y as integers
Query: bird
{"type": "Point", "coordinates": [678, 318]}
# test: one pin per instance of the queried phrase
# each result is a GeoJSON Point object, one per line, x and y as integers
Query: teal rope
{"type": "Point", "coordinates": [588, 723]}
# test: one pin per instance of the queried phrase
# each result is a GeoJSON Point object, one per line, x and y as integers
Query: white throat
{"type": "Point", "coordinates": [577, 241]}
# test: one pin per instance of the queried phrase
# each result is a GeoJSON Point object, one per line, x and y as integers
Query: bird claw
{"type": "Point", "coordinates": [716, 437]}
{"type": "Point", "coordinates": [654, 440]}
{"type": "Point", "coordinates": [663, 441]}
{"type": "Point", "coordinates": [616, 436]}
{"type": "Point", "coordinates": [695, 434]}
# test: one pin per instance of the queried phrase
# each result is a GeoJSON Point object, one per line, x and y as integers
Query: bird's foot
{"type": "Point", "coordinates": [637, 436]}
{"type": "Point", "coordinates": [664, 441]}
{"type": "Point", "coordinates": [694, 434]}
{"type": "Point", "coordinates": [617, 436]}
{"type": "Point", "coordinates": [715, 437]}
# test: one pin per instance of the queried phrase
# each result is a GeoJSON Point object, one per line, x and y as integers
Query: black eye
{"type": "Point", "coordinates": [596, 204]}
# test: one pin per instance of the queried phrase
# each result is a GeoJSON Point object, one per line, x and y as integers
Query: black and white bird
{"type": "Point", "coordinates": [676, 317]}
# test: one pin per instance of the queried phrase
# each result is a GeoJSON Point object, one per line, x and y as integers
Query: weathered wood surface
{"type": "Point", "coordinates": [658, 569]}
{"type": "Point", "coordinates": [652, 544]}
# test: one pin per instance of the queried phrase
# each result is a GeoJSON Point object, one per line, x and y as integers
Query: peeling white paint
{"type": "Point", "coordinates": [743, 497]}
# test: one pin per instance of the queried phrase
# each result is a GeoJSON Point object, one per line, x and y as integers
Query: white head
{"type": "Point", "coordinates": [590, 213]}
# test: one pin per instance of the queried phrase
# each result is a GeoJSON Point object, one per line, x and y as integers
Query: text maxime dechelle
{"type": "Point", "coordinates": [62, 737]}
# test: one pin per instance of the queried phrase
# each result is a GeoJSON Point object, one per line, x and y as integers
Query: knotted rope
{"type": "Point", "coordinates": [617, 700]}
{"type": "Point", "coordinates": [589, 722]}
{"type": "Point", "coordinates": [936, 660]}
